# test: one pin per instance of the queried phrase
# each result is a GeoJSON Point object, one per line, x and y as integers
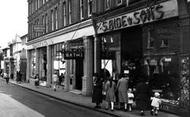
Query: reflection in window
{"type": "Point", "coordinates": [150, 40]}
{"type": "Point", "coordinates": [164, 43]}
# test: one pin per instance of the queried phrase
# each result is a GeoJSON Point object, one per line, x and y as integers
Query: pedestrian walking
{"type": "Point", "coordinates": [55, 80]}
{"type": "Point", "coordinates": [97, 96]}
{"type": "Point", "coordinates": [61, 78]}
{"type": "Point", "coordinates": [36, 80]}
{"type": "Point", "coordinates": [122, 87]}
{"type": "Point", "coordinates": [110, 88]}
{"type": "Point", "coordinates": [142, 96]}
{"type": "Point", "coordinates": [6, 77]}
{"type": "Point", "coordinates": [155, 104]}
{"type": "Point", "coordinates": [130, 99]}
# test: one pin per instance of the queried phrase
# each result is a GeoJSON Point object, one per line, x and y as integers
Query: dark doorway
{"type": "Point", "coordinates": [79, 73]}
{"type": "Point", "coordinates": [132, 53]}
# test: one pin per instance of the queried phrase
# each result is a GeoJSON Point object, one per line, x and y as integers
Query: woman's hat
{"type": "Point", "coordinates": [156, 94]}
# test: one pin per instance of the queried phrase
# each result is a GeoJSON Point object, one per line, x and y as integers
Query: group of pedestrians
{"type": "Point", "coordinates": [140, 97]}
{"type": "Point", "coordinates": [7, 77]}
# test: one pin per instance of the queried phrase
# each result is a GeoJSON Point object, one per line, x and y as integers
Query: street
{"type": "Point", "coordinates": [19, 102]}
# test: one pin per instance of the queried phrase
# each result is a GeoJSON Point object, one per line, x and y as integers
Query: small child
{"type": "Point", "coordinates": [156, 101]}
{"type": "Point", "coordinates": [130, 99]}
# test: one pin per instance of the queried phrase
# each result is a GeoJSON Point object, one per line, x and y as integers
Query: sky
{"type": "Point", "coordinates": [13, 20]}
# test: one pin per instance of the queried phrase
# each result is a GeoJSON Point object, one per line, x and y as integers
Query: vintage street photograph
{"type": "Point", "coordinates": [95, 58]}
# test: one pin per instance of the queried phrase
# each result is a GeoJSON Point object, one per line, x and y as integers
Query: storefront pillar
{"type": "Point", "coordinates": [97, 52]}
{"type": "Point", "coordinates": [88, 66]}
{"type": "Point", "coordinates": [28, 66]}
{"type": "Point", "coordinates": [49, 65]}
{"type": "Point", "coordinates": [37, 61]}
{"type": "Point", "coordinates": [67, 76]}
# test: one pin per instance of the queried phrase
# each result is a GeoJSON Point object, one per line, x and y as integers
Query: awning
{"type": "Point", "coordinates": [86, 31]}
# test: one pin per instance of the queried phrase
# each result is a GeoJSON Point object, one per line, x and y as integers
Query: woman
{"type": "Point", "coordinates": [142, 96]}
{"type": "Point", "coordinates": [97, 90]}
{"type": "Point", "coordinates": [122, 87]}
{"type": "Point", "coordinates": [37, 80]}
{"type": "Point", "coordinates": [55, 80]}
{"type": "Point", "coordinates": [110, 87]}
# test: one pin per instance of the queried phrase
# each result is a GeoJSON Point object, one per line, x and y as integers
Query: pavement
{"type": "Point", "coordinates": [75, 97]}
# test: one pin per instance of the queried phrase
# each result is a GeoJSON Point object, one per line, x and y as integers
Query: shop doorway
{"type": "Point", "coordinates": [132, 53]}
{"type": "Point", "coordinates": [79, 73]}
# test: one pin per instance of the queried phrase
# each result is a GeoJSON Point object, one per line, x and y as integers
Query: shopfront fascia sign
{"type": "Point", "coordinates": [73, 53]}
{"type": "Point", "coordinates": [150, 14]}
{"type": "Point", "coordinates": [42, 43]}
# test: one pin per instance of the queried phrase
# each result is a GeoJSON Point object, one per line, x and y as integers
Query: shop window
{"type": "Point", "coordinates": [164, 43]}
{"type": "Point", "coordinates": [33, 65]}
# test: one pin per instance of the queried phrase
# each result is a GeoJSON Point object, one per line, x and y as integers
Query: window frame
{"type": "Point", "coordinates": [81, 9]}
{"type": "Point", "coordinates": [107, 4]}
{"type": "Point", "coordinates": [90, 8]}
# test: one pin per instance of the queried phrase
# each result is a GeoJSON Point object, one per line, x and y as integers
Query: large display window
{"type": "Point", "coordinates": [110, 56]}
{"type": "Point", "coordinates": [33, 63]}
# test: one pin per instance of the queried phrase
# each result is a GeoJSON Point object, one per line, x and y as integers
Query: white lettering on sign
{"type": "Point", "coordinates": [153, 13]}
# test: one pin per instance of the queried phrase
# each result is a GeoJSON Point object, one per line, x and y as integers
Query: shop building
{"type": "Point", "coordinates": [60, 38]}
{"type": "Point", "coordinates": [150, 40]}
{"type": "Point", "coordinates": [15, 46]}
{"type": "Point", "coordinates": [5, 63]}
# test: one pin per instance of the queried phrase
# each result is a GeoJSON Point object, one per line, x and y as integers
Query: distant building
{"type": "Point", "coordinates": [6, 56]}
{"type": "Point", "coordinates": [15, 51]}
{"type": "Point", "coordinates": [23, 57]}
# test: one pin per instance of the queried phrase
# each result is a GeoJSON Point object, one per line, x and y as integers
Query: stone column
{"type": "Point", "coordinates": [67, 76]}
{"type": "Point", "coordinates": [88, 66]}
{"type": "Point", "coordinates": [28, 65]}
{"type": "Point", "coordinates": [97, 53]}
{"type": "Point", "coordinates": [37, 61]}
{"type": "Point", "coordinates": [49, 65]}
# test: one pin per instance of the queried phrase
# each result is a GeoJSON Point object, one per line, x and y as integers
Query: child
{"type": "Point", "coordinates": [156, 101]}
{"type": "Point", "coordinates": [130, 99]}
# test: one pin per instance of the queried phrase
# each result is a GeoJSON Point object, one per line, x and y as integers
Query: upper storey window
{"type": "Point", "coordinates": [89, 7]}
{"type": "Point", "coordinates": [119, 2]}
{"type": "Point", "coordinates": [64, 14]}
{"type": "Point", "coordinates": [69, 11]}
{"type": "Point", "coordinates": [107, 4]}
{"type": "Point", "coordinates": [81, 9]}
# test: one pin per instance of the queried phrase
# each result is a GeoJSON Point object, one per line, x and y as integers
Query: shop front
{"type": "Point", "coordinates": [145, 42]}
{"type": "Point", "coordinates": [68, 51]}
{"type": "Point", "coordinates": [74, 52]}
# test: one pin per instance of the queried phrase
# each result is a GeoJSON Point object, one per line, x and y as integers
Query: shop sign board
{"type": "Point", "coordinates": [39, 28]}
{"type": "Point", "coordinates": [74, 53]}
{"type": "Point", "coordinates": [153, 13]}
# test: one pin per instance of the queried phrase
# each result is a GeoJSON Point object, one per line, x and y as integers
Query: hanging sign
{"type": "Point", "coordinates": [73, 53]}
